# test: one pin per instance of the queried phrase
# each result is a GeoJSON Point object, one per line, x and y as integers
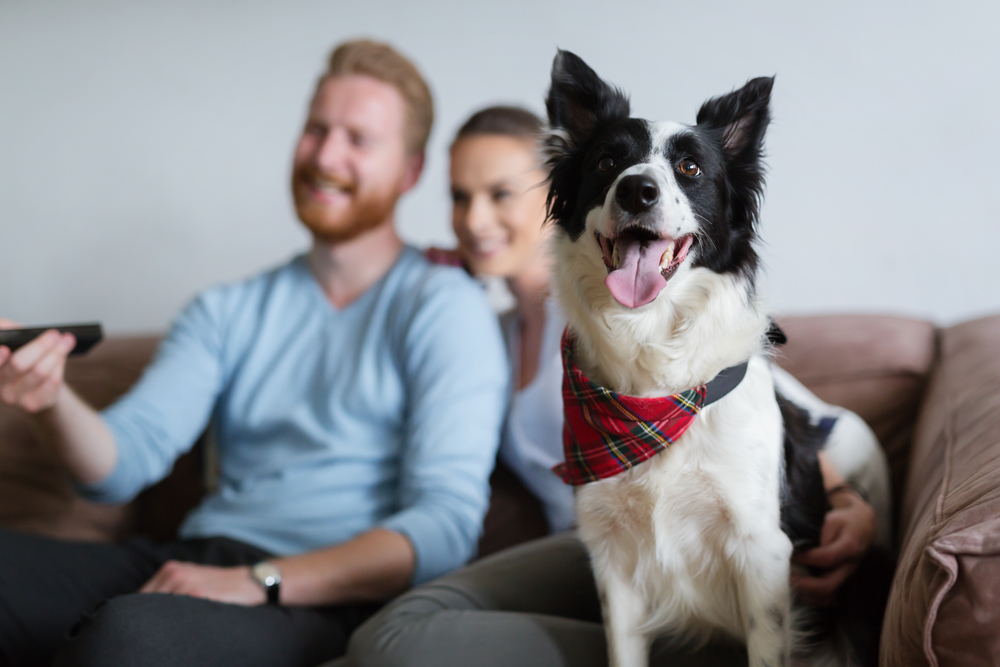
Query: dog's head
{"type": "Point", "coordinates": [654, 200]}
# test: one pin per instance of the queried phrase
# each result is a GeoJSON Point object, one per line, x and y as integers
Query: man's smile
{"type": "Point", "coordinates": [327, 187]}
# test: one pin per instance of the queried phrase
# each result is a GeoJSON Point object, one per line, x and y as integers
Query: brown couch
{"type": "Point", "coordinates": [931, 395]}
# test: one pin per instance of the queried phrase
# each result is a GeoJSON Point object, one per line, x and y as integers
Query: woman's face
{"type": "Point", "coordinates": [498, 203]}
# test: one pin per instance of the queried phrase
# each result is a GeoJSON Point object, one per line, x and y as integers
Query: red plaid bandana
{"type": "Point", "coordinates": [605, 433]}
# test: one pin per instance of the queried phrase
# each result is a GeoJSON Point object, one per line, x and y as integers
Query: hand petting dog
{"type": "Point", "coordinates": [847, 534]}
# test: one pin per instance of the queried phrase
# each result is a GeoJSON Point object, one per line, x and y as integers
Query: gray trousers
{"type": "Point", "coordinates": [535, 604]}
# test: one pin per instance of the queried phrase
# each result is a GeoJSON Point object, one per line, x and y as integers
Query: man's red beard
{"type": "Point", "coordinates": [365, 213]}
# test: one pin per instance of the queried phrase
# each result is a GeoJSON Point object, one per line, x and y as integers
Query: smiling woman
{"type": "Point", "coordinates": [499, 189]}
{"type": "Point", "coordinates": [498, 193]}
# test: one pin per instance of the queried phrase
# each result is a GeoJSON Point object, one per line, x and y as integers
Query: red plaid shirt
{"type": "Point", "coordinates": [605, 433]}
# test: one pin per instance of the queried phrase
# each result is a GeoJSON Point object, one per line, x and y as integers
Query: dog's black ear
{"type": "Point", "coordinates": [742, 116]}
{"type": "Point", "coordinates": [738, 121]}
{"type": "Point", "coordinates": [579, 99]}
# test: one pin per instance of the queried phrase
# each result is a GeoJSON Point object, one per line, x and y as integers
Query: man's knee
{"type": "Point", "coordinates": [125, 630]}
{"type": "Point", "coordinates": [162, 630]}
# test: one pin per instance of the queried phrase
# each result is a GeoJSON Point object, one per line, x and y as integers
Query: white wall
{"type": "Point", "coordinates": [145, 147]}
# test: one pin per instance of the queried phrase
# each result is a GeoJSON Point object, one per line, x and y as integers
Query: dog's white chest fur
{"type": "Point", "coordinates": [687, 532]}
{"type": "Point", "coordinates": [689, 542]}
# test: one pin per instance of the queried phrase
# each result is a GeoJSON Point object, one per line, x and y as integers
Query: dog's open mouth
{"type": "Point", "coordinates": [640, 263]}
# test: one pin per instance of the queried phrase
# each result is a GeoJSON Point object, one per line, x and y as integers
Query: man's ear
{"type": "Point", "coordinates": [414, 167]}
{"type": "Point", "coordinates": [579, 100]}
{"type": "Point", "coordinates": [742, 116]}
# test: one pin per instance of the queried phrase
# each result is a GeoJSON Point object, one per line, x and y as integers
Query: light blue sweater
{"type": "Point", "coordinates": [329, 422]}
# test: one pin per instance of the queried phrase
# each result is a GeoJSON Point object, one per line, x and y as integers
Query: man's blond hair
{"type": "Point", "coordinates": [382, 62]}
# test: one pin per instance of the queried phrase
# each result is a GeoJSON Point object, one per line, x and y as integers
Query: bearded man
{"type": "Point", "coordinates": [356, 395]}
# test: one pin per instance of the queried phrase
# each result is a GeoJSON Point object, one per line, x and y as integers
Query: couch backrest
{"type": "Point", "coordinates": [36, 496]}
{"type": "Point", "coordinates": [873, 365]}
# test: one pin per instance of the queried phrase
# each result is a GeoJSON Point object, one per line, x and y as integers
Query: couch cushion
{"type": "Point", "coordinates": [514, 515]}
{"type": "Point", "coordinates": [873, 365]}
{"type": "Point", "coordinates": [945, 603]}
{"type": "Point", "coordinates": [35, 493]}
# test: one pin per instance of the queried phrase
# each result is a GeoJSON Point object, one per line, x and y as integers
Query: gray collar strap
{"type": "Point", "coordinates": [724, 382]}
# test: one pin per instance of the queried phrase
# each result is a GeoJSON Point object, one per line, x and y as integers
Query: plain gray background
{"type": "Point", "coordinates": [145, 146]}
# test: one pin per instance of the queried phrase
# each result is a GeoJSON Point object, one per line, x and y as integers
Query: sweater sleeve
{"type": "Point", "coordinates": [164, 413]}
{"type": "Point", "coordinates": [457, 375]}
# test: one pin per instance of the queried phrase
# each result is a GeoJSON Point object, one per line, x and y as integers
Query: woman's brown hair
{"type": "Point", "coordinates": [507, 121]}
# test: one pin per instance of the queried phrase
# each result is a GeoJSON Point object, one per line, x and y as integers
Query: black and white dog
{"type": "Point", "coordinates": [655, 270]}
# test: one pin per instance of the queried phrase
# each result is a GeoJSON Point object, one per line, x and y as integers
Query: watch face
{"type": "Point", "coordinates": [267, 574]}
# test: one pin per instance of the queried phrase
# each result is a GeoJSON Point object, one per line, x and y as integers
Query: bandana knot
{"type": "Point", "coordinates": [606, 433]}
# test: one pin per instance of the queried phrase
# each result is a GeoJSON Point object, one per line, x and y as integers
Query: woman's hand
{"type": "Point", "coordinates": [847, 534]}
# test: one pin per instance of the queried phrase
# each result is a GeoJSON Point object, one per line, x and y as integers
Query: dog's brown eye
{"type": "Point", "coordinates": [607, 163]}
{"type": "Point", "coordinates": [689, 167]}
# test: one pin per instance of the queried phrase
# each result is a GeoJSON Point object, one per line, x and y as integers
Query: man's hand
{"type": "Point", "coordinates": [32, 377]}
{"type": "Point", "coordinates": [222, 584]}
{"type": "Point", "coordinates": [848, 531]}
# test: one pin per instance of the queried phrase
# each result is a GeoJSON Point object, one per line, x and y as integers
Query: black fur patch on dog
{"type": "Point", "coordinates": [855, 620]}
{"type": "Point", "coordinates": [803, 497]}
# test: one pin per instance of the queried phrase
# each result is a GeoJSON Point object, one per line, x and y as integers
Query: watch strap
{"type": "Point", "coordinates": [268, 576]}
{"type": "Point", "coordinates": [273, 591]}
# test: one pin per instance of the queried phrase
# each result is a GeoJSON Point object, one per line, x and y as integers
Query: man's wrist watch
{"type": "Point", "coordinates": [269, 577]}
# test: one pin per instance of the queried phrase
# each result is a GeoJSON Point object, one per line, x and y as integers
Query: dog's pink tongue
{"type": "Point", "coordinates": [637, 280]}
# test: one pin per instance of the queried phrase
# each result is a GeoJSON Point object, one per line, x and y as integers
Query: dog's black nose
{"type": "Point", "coordinates": [637, 193]}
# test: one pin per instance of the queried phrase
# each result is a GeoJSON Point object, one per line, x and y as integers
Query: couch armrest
{"type": "Point", "coordinates": [944, 608]}
{"type": "Point", "coordinates": [35, 492]}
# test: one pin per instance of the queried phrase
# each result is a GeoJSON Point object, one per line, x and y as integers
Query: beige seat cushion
{"type": "Point", "coordinates": [945, 603]}
{"type": "Point", "coordinates": [35, 493]}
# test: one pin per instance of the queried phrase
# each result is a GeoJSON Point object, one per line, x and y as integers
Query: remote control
{"type": "Point", "coordinates": [87, 336]}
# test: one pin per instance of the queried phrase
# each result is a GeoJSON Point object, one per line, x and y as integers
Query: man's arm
{"type": "Point", "coordinates": [374, 566]}
{"type": "Point", "coordinates": [457, 378]}
{"type": "Point", "coordinates": [32, 379]}
{"type": "Point", "coordinates": [116, 453]}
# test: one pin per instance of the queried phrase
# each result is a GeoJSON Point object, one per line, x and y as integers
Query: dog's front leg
{"type": "Point", "coordinates": [624, 611]}
{"type": "Point", "coordinates": [767, 604]}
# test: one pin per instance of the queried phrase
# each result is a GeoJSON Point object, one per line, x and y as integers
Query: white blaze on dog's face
{"type": "Point", "coordinates": [654, 200]}
{"type": "Point", "coordinates": [645, 226]}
